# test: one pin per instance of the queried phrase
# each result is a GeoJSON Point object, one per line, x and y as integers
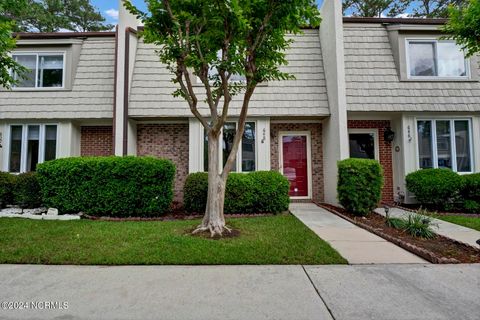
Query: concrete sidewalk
{"type": "Point", "coordinates": [355, 244]}
{"type": "Point", "coordinates": [396, 292]}
{"type": "Point", "coordinates": [447, 229]}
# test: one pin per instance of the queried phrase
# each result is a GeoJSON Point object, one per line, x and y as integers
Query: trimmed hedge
{"type": "Point", "coordinates": [438, 188]}
{"type": "Point", "coordinates": [471, 192]}
{"type": "Point", "coordinates": [271, 191]}
{"type": "Point", "coordinates": [360, 183]}
{"type": "Point", "coordinates": [254, 192]}
{"type": "Point", "coordinates": [7, 181]}
{"type": "Point", "coordinates": [26, 191]}
{"type": "Point", "coordinates": [109, 186]}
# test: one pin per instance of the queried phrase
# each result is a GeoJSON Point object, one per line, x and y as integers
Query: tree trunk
{"type": "Point", "coordinates": [214, 219]}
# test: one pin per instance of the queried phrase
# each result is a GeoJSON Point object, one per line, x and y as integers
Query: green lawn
{"type": "Point", "coordinates": [278, 239]}
{"type": "Point", "coordinates": [469, 222]}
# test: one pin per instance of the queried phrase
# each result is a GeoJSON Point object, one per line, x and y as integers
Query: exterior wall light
{"type": "Point", "coordinates": [388, 135]}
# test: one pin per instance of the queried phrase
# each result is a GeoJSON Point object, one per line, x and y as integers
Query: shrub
{"type": "Point", "coordinates": [116, 186]}
{"type": "Point", "coordinates": [271, 191]}
{"type": "Point", "coordinates": [6, 188]}
{"type": "Point", "coordinates": [360, 183]}
{"type": "Point", "coordinates": [26, 192]}
{"type": "Point", "coordinates": [439, 188]}
{"type": "Point", "coordinates": [195, 192]}
{"type": "Point", "coordinates": [239, 194]}
{"type": "Point", "coordinates": [255, 192]}
{"type": "Point", "coordinates": [471, 206]}
{"type": "Point", "coordinates": [471, 188]}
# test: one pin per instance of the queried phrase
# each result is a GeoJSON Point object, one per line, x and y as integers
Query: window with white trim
{"type": "Point", "coordinates": [436, 59]}
{"type": "Point", "coordinates": [247, 156]}
{"type": "Point", "coordinates": [44, 70]}
{"type": "Point", "coordinates": [363, 143]}
{"type": "Point", "coordinates": [31, 144]}
{"type": "Point", "coordinates": [445, 143]}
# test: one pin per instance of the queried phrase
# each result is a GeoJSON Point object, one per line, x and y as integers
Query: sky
{"type": "Point", "coordinates": [109, 8]}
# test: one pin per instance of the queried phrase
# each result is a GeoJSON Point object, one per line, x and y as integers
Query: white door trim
{"type": "Point", "coordinates": [307, 134]}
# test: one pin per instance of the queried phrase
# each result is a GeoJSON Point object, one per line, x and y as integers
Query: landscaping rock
{"type": "Point", "coordinates": [52, 212]}
{"type": "Point", "coordinates": [36, 211]}
{"type": "Point", "coordinates": [8, 211]}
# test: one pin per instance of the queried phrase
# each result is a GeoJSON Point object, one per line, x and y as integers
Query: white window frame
{"type": "Point", "coordinates": [37, 54]}
{"type": "Point", "coordinates": [435, 42]}
{"type": "Point", "coordinates": [238, 159]}
{"type": "Point", "coordinates": [23, 155]}
{"type": "Point", "coordinates": [375, 139]}
{"type": "Point", "coordinates": [307, 134]}
{"type": "Point", "coordinates": [452, 142]}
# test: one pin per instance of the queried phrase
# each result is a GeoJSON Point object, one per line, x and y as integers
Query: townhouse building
{"type": "Point", "coordinates": [387, 89]}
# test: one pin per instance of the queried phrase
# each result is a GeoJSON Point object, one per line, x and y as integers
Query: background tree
{"type": "Point", "coordinates": [433, 8]}
{"type": "Point", "coordinates": [80, 15]}
{"type": "Point", "coordinates": [215, 41]}
{"type": "Point", "coordinates": [464, 26]}
{"type": "Point", "coordinates": [53, 15]}
{"type": "Point", "coordinates": [375, 8]}
{"type": "Point", "coordinates": [7, 43]}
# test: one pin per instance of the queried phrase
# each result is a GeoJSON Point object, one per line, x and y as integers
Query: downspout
{"type": "Point", "coordinates": [115, 75]}
{"type": "Point", "coordinates": [128, 31]}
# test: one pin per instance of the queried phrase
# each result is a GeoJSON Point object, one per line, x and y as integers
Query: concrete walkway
{"type": "Point", "coordinates": [447, 229]}
{"type": "Point", "coordinates": [394, 292]}
{"type": "Point", "coordinates": [355, 244]}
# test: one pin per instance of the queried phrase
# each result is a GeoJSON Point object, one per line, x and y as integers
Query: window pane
{"type": "Point", "coordinates": [248, 147]}
{"type": "Point", "coordinates": [213, 72]}
{"type": "Point", "coordinates": [451, 60]}
{"type": "Point", "coordinates": [33, 142]}
{"type": "Point", "coordinates": [362, 145]}
{"type": "Point", "coordinates": [50, 73]}
{"type": "Point", "coordinates": [229, 130]}
{"type": "Point", "coordinates": [422, 59]}
{"type": "Point", "coordinates": [15, 148]}
{"type": "Point", "coordinates": [29, 62]}
{"type": "Point", "coordinates": [425, 150]}
{"type": "Point", "coordinates": [50, 142]}
{"type": "Point", "coordinates": [444, 145]}
{"type": "Point", "coordinates": [462, 144]}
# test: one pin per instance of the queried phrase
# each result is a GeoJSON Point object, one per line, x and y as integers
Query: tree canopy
{"type": "Point", "coordinates": [464, 26]}
{"type": "Point", "coordinates": [7, 43]}
{"type": "Point", "coordinates": [231, 46]}
{"type": "Point", "coordinates": [433, 8]}
{"type": "Point", "coordinates": [393, 8]}
{"type": "Point", "coordinates": [54, 15]}
{"type": "Point", "coordinates": [375, 8]}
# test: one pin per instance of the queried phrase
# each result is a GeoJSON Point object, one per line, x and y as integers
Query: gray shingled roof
{"type": "Point", "coordinates": [91, 95]}
{"type": "Point", "coordinates": [151, 92]}
{"type": "Point", "coordinates": [373, 83]}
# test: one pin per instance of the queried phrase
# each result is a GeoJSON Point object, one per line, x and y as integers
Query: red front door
{"type": "Point", "coordinates": [295, 162]}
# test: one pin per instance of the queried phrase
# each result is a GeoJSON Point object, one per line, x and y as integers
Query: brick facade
{"type": "Point", "coordinates": [169, 141]}
{"type": "Point", "coordinates": [96, 141]}
{"type": "Point", "coordinates": [385, 152]}
{"type": "Point", "coordinates": [315, 130]}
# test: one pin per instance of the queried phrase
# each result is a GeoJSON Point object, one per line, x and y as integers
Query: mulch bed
{"type": "Point", "coordinates": [415, 207]}
{"type": "Point", "coordinates": [173, 217]}
{"type": "Point", "coordinates": [438, 250]}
